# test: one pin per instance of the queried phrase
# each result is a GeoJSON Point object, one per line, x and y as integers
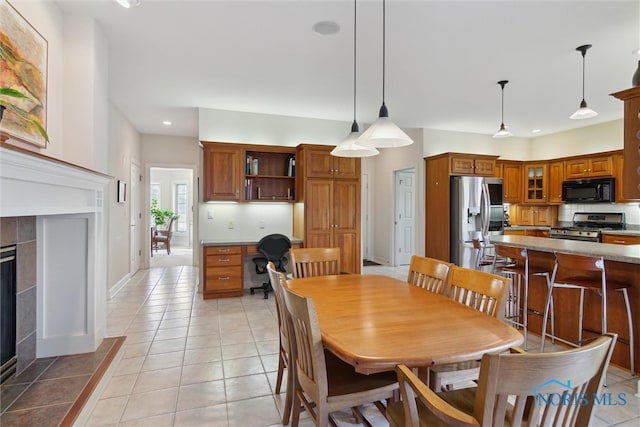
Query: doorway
{"type": "Point", "coordinates": [172, 188]}
{"type": "Point", "coordinates": [405, 216]}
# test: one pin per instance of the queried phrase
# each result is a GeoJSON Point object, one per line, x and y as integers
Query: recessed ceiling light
{"type": "Point", "coordinates": [129, 3]}
{"type": "Point", "coordinates": [326, 28]}
{"type": "Point", "coordinates": [536, 130]}
{"type": "Point", "coordinates": [166, 122]}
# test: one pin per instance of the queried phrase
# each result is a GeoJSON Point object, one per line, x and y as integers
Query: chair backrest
{"type": "Point", "coordinates": [309, 262]}
{"type": "Point", "coordinates": [274, 247]}
{"type": "Point", "coordinates": [479, 259]}
{"type": "Point", "coordinates": [570, 268]}
{"type": "Point", "coordinates": [307, 350]}
{"type": "Point", "coordinates": [278, 282]}
{"type": "Point", "coordinates": [479, 290]}
{"type": "Point", "coordinates": [554, 389]}
{"type": "Point", "coordinates": [518, 258]}
{"type": "Point", "coordinates": [169, 229]}
{"type": "Point", "coordinates": [429, 273]}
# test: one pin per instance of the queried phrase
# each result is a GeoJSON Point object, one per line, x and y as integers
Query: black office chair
{"type": "Point", "coordinates": [273, 247]}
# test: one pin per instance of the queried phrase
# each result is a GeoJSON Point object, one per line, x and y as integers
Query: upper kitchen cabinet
{"type": "Point", "coordinates": [556, 176]}
{"type": "Point", "coordinates": [465, 164]}
{"type": "Point", "coordinates": [587, 167]}
{"type": "Point", "coordinates": [631, 171]}
{"type": "Point", "coordinates": [222, 171]}
{"type": "Point", "coordinates": [245, 172]}
{"type": "Point", "coordinates": [535, 182]}
{"type": "Point", "coordinates": [511, 180]}
{"type": "Point", "coordinates": [269, 173]}
{"type": "Point", "coordinates": [317, 162]}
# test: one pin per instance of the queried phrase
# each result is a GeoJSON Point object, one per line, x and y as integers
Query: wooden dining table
{"type": "Point", "coordinates": [375, 322]}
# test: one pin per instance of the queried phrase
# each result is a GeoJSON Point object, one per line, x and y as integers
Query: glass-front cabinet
{"type": "Point", "coordinates": [536, 182]}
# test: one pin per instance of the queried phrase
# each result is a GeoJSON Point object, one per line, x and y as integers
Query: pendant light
{"type": "Point", "coordinates": [583, 112]}
{"type": "Point", "coordinates": [129, 3]}
{"type": "Point", "coordinates": [349, 147]}
{"type": "Point", "coordinates": [383, 133]}
{"type": "Point", "coordinates": [502, 132]}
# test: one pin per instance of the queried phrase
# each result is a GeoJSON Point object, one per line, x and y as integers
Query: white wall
{"type": "Point", "coordinates": [244, 221]}
{"type": "Point", "coordinates": [124, 142]}
{"type": "Point", "coordinates": [254, 128]}
{"type": "Point", "coordinates": [381, 180]}
{"type": "Point", "coordinates": [585, 140]}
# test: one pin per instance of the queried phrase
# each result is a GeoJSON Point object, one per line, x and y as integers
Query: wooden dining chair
{"type": "Point", "coordinates": [163, 237]}
{"type": "Point", "coordinates": [532, 389]}
{"type": "Point", "coordinates": [324, 383]}
{"type": "Point", "coordinates": [278, 281]}
{"type": "Point", "coordinates": [309, 262]}
{"type": "Point", "coordinates": [482, 291]}
{"type": "Point", "coordinates": [429, 273]}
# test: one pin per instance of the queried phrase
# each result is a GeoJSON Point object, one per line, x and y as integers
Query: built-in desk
{"type": "Point", "coordinates": [622, 263]}
{"type": "Point", "coordinates": [223, 266]}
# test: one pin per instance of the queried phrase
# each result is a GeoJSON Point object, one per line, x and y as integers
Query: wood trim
{"type": "Point", "coordinates": [73, 413]}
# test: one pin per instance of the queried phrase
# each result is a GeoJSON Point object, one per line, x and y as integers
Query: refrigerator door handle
{"type": "Point", "coordinates": [485, 207]}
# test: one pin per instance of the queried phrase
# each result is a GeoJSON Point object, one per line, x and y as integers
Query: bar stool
{"type": "Point", "coordinates": [517, 266]}
{"type": "Point", "coordinates": [587, 273]}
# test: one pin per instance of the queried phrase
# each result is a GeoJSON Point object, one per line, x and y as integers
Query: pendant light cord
{"type": "Point", "coordinates": [355, 11]}
{"type": "Point", "coordinates": [583, 55]}
{"type": "Point", "coordinates": [384, 38]}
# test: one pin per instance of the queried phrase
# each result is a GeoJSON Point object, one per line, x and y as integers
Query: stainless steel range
{"type": "Point", "coordinates": [588, 226]}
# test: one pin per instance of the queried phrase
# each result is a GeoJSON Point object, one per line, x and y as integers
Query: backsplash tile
{"type": "Point", "coordinates": [631, 210]}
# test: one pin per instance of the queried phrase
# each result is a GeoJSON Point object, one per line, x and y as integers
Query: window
{"type": "Point", "coordinates": [181, 207]}
{"type": "Point", "coordinates": [155, 192]}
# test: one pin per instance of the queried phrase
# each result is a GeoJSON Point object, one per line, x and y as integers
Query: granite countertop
{"type": "Point", "coordinates": [622, 253]}
{"type": "Point", "coordinates": [241, 241]}
{"type": "Point", "coordinates": [527, 227]}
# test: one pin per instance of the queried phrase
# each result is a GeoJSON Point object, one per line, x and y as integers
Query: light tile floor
{"type": "Point", "coordinates": [191, 362]}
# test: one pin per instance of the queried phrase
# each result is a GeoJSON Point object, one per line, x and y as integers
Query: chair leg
{"type": "Point", "coordinates": [547, 306]}
{"type": "Point", "coordinates": [631, 340]}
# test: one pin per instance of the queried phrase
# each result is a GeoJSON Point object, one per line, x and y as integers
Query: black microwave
{"type": "Point", "coordinates": [600, 190]}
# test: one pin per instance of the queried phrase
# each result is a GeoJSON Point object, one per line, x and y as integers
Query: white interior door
{"type": "Point", "coordinates": [405, 209]}
{"type": "Point", "coordinates": [135, 218]}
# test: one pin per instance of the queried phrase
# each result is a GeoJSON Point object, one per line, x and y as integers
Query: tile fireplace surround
{"type": "Point", "coordinates": [54, 212]}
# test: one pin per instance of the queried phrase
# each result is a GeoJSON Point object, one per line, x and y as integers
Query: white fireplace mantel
{"type": "Point", "coordinates": [67, 202]}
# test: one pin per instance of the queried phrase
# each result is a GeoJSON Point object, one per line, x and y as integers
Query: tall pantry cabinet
{"type": "Point", "coordinates": [328, 214]}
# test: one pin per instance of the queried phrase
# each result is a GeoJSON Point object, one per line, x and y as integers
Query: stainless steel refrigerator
{"type": "Point", "coordinates": [477, 211]}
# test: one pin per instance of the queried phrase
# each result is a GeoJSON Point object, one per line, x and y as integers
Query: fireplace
{"type": "Point", "coordinates": [54, 213]}
{"type": "Point", "coordinates": [8, 360]}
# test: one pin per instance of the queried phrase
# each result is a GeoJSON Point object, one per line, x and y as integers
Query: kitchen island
{"type": "Point", "coordinates": [622, 263]}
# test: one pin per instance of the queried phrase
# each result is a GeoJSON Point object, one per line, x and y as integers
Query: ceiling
{"type": "Point", "coordinates": [168, 58]}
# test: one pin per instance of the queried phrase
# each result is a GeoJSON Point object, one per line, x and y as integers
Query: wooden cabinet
{"type": "Point", "coordinates": [472, 165]}
{"type": "Point", "coordinates": [221, 171]}
{"type": "Point", "coordinates": [319, 163]}
{"type": "Point", "coordinates": [329, 215]}
{"type": "Point", "coordinates": [537, 215]}
{"type": "Point", "coordinates": [511, 181]}
{"type": "Point", "coordinates": [269, 173]}
{"type": "Point", "coordinates": [556, 176]}
{"type": "Point", "coordinates": [438, 170]}
{"type": "Point", "coordinates": [244, 172]}
{"type": "Point", "coordinates": [587, 167]}
{"type": "Point", "coordinates": [222, 271]}
{"type": "Point", "coordinates": [621, 239]}
{"type": "Point", "coordinates": [631, 171]}
{"type": "Point", "coordinates": [535, 182]}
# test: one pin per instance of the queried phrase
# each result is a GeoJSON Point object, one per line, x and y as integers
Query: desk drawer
{"type": "Point", "coordinates": [221, 278]}
{"type": "Point", "coordinates": [223, 250]}
{"type": "Point", "coordinates": [223, 260]}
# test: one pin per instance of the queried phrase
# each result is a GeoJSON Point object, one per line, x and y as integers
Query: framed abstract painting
{"type": "Point", "coordinates": [23, 79]}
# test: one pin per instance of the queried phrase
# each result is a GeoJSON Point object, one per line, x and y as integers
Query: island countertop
{"type": "Point", "coordinates": [609, 251]}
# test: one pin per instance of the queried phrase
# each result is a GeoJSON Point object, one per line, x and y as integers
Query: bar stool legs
{"type": "Point", "coordinates": [574, 276]}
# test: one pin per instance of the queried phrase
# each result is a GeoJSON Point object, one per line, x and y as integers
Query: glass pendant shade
{"type": "Point", "coordinates": [502, 133]}
{"type": "Point", "coordinates": [383, 133]}
{"type": "Point", "coordinates": [350, 148]}
{"type": "Point", "coordinates": [129, 3]}
{"type": "Point", "coordinates": [583, 112]}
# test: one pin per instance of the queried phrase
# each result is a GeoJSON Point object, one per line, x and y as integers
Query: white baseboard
{"type": "Point", "coordinates": [119, 285]}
